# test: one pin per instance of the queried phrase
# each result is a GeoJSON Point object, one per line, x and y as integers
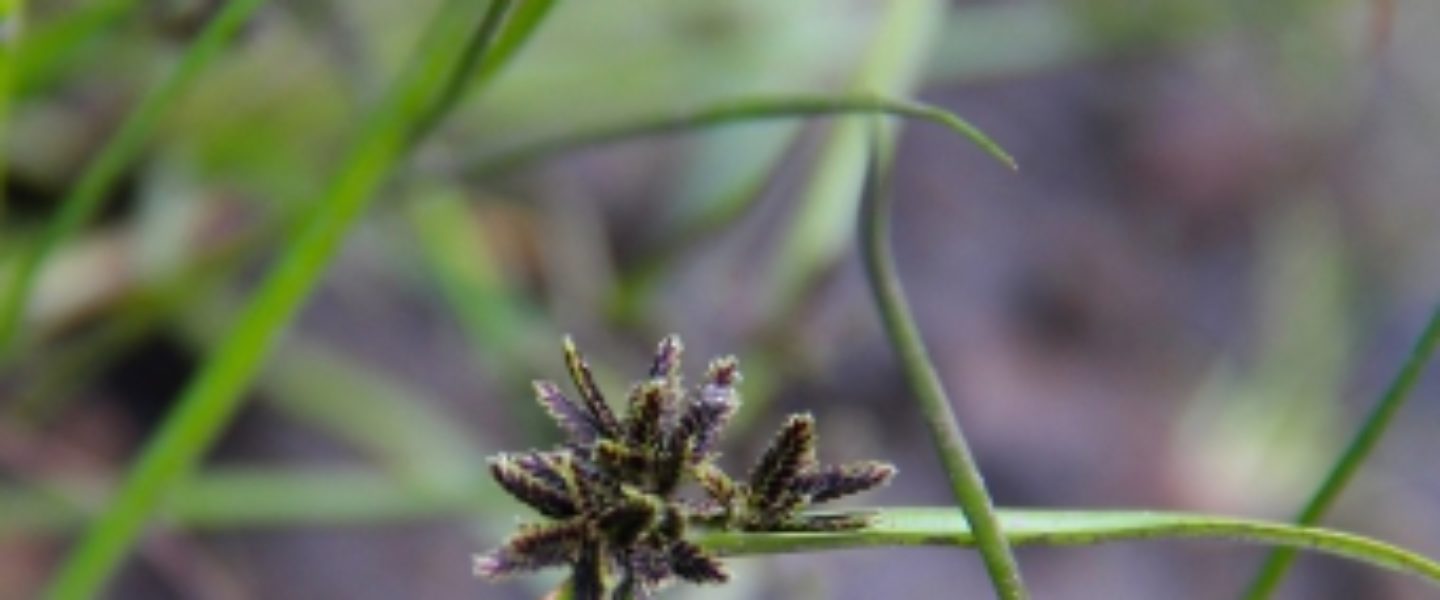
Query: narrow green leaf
{"type": "Point", "coordinates": [1272, 572]}
{"type": "Point", "coordinates": [738, 110]}
{"type": "Point", "coordinates": [524, 20]}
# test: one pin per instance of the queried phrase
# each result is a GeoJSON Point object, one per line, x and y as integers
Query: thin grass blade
{"type": "Point", "coordinates": [1272, 572]}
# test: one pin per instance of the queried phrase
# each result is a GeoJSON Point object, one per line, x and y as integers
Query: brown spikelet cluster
{"type": "Point", "coordinates": [611, 491]}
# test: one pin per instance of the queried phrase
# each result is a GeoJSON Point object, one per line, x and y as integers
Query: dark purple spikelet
{"type": "Point", "coordinates": [837, 481]}
{"type": "Point", "coordinates": [692, 564]}
{"type": "Point", "coordinates": [643, 421]}
{"type": "Point", "coordinates": [581, 427]}
{"type": "Point", "coordinates": [786, 480]}
{"type": "Point", "coordinates": [549, 467]}
{"type": "Point", "coordinates": [773, 480]}
{"type": "Point", "coordinates": [535, 547]}
{"type": "Point", "coordinates": [711, 407]}
{"type": "Point", "coordinates": [536, 492]}
{"type": "Point", "coordinates": [590, 394]}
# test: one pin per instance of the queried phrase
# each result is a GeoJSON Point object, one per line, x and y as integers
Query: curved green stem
{"type": "Point", "coordinates": [943, 526]}
{"type": "Point", "coordinates": [729, 111]}
{"type": "Point", "coordinates": [119, 153]}
{"type": "Point", "coordinates": [1272, 572]}
{"type": "Point", "coordinates": [213, 396]}
{"type": "Point", "coordinates": [965, 480]}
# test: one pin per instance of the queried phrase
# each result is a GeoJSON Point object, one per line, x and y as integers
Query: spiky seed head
{"type": "Point", "coordinates": [837, 481]}
{"type": "Point", "coordinates": [648, 403]}
{"type": "Point", "coordinates": [611, 487]}
{"type": "Point", "coordinates": [773, 480]}
{"type": "Point", "coordinates": [535, 547]}
{"type": "Point", "coordinates": [692, 564]}
{"type": "Point", "coordinates": [709, 411]}
{"type": "Point", "coordinates": [580, 426]}
{"type": "Point", "coordinates": [590, 394]}
{"type": "Point", "coordinates": [545, 498]}
{"type": "Point", "coordinates": [549, 467]}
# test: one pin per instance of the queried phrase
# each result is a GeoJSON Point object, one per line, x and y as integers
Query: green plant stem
{"type": "Point", "coordinates": [84, 198]}
{"type": "Point", "coordinates": [1272, 572]}
{"type": "Point", "coordinates": [965, 479]}
{"type": "Point", "coordinates": [458, 82]}
{"type": "Point", "coordinates": [520, 27]}
{"type": "Point", "coordinates": [250, 499]}
{"type": "Point", "coordinates": [742, 109]}
{"type": "Point", "coordinates": [944, 526]}
{"type": "Point", "coordinates": [213, 396]}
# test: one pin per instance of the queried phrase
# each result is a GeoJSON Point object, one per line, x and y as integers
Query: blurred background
{"type": "Point", "coordinates": [1219, 248]}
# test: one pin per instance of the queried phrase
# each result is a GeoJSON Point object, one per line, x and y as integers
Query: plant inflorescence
{"type": "Point", "coordinates": [612, 490]}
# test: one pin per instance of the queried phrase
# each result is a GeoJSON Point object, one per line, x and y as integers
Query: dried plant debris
{"type": "Point", "coordinates": [612, 490]}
